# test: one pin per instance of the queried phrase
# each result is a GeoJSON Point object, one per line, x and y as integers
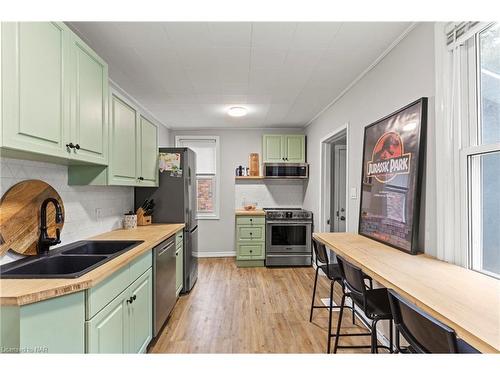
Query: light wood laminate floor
{"type": "Point", "coordinates": [252, 310]}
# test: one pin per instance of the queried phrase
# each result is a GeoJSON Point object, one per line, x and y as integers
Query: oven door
{"type": "Point", "coordinates": [288, 237]}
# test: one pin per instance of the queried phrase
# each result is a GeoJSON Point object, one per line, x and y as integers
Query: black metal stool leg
{"type": "Point", "coordinates": [398, 349]}
{"type": "Point", "coordinates": [391, 346]}
{"type": "Point", "coordinates": [314, 294]}
{"type": "Point", "coordinates": [330, 319]}
{"type": "Point", "coordinates": [339, 324]}
{"type": "Point", "coordinates": [374, 346]}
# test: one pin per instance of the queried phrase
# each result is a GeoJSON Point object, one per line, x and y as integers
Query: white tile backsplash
{"type": "Point", "coordinates": [80, 202]}
{"type": "Point", "coordinates": [277, 193]}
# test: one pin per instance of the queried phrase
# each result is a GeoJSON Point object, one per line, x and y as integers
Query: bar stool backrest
{"type": "Point", "coordinates": [320, 252]}
{"type": "Point", "coordinates": [353, 278]}
{"type": "Point", "coordinates": [424, 333]}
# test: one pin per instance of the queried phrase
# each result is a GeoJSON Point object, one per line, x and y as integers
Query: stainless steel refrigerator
{"type": "Point", "coordinates": [175, 202]}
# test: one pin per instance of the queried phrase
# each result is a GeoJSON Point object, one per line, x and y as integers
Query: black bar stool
{"type": "Point", "coordinates": [332, 272]}
{"type": "Point", "coordinates": [424, 333]}
{"type": "Point", "coordinates": [373, 302]}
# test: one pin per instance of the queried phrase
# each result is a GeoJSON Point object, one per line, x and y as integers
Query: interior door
{"type": "Point", "coordinates": [339, 188]}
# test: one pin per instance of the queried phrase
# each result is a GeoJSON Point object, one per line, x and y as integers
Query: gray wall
{"type": "Point", "coordinates": [163, 136]}
{"type": "Point", "coordinates": [404, 75]}
{"type": "Point", "coordinates": [217, 237]}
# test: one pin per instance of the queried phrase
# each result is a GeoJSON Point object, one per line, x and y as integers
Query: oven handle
{"type": "Point", "coordinates": [289, 222]}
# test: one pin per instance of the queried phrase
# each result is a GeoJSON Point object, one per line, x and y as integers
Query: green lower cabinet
{"type": "Point", "coordinates": [250, 241]}
{"type": "Point", "coordinates": [141, 313]}
{"type": "Point", "coordinates": [55, 325]}
{"type": "Point", "coordinates": [107, 332]}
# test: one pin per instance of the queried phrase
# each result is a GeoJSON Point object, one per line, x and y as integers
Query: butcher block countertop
{"type": "Point", "coordinates": [17, 292]}
{"type": "Point", "coordinates": [243, 212]}
{"type": "Point", "coordinates": [467, 301]}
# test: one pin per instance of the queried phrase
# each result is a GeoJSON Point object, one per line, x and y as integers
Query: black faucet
{"type": "Point", "coordinates": [44, 241]}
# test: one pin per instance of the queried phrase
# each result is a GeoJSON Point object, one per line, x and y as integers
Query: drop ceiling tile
{"type": "Point", "coordinates": [230, 34]}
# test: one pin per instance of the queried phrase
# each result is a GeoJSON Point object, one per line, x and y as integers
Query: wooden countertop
{"type": "Point", "coordinates": [466, 300]}
{"type": "Point", "coordinates": [24, 291]}
{"type": "Point", "coordinates": [243, 212]}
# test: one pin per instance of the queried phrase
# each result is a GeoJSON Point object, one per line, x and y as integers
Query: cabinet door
{"type": "Point", "coordinates": [35, 86]}
{"type": "Point", "coordinates": [273, 149]}
{"type": "Point", "coordinates": [141, 317]}
{"type": "Point", "coordinates": [89, 104]}
{"type": "Point", "coordinates": [148, 153]}
{"type": "Point", "coordinates": [179, 262]}
{"type": "Point", "coordinates": [108, 330]}
{"type": "Point", "coordinates": [295, 147]}
{"type": "Point", "coordinates": [123, 143]}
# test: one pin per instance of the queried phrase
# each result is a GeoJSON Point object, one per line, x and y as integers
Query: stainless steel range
{"type": "Point", "coordinates": [288, 236]}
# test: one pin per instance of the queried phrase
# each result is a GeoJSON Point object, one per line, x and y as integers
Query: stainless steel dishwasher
{"type": "Point", "coordinates": [164, 296]}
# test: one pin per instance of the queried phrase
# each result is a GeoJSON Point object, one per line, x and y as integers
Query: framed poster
{"type": "Point", "coordinates": [393, 155]}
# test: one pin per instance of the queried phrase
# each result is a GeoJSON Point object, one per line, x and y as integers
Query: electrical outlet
{"type": "Point", "coordinates": [98, 214]}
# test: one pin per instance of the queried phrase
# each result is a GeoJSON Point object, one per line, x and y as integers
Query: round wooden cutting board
{"type": "Point", "coordinates": [20, 216]}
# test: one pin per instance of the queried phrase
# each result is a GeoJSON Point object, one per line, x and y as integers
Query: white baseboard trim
{"type": "Point", "coordinates": [214, 254]}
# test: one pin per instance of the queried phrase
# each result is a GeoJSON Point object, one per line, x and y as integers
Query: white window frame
{"type": "Point", "coordinates": [469, 147]}
{"type": "Point", "coordinates": [216, 214]}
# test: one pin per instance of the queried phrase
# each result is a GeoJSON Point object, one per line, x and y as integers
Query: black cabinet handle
{"type": "Point", "coordinates": [134, 297]}
{"type": "Point", "coordinates": [130, 300]}
{"type": "Point", "coordinates": [70, 145]}
{"type": "Point", "coordinates": [251, 233]}
{"type": "Point", "coordinates": [141, 178]}
{"type": "Point", "coordinates": [77, 146]}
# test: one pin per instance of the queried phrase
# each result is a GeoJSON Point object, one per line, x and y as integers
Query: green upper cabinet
{"type": "Point", "coordinates": [89, 104]}
{"type": "Point", "coordinates": [122, 168]}
{"type": "Point", "coordinates": [54, 94]}
{"type": "Point", "coordinates": [273, 149]}
{"type": "Point", "coordinates": [278, 148]}
{"type": "Point", "coordinates": [295, 148]}
{"type": "Point", "coordinates": [35, 87]}
{"type": "Point", "coordinates": [147, 153]}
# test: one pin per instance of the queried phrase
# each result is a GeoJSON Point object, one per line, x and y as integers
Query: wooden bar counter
{"type": "Point", "coordinates": [466, 300]}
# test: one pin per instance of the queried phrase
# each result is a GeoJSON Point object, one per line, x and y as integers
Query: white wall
{"type": "Point", "coordinates": [404, 75]}
{"type": "Point", "coordinates": [80, 202]}
{"type": "Point", "coordinates": [163, 136]}
{"type": "Point", "coordinates": [217, 237]}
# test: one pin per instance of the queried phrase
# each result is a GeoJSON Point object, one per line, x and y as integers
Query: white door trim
{"type": "Point", "coordinates": [325, 168]}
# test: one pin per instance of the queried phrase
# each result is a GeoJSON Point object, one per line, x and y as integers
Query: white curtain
{"type": "Point", "coordinates": [448, 142]}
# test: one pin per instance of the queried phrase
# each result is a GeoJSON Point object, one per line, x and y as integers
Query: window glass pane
{"type": "Point", "coordinates": [205, 154]}
{"type": "Point", "coordinates": [485, 199]}
{"type": "Point", "coordinates": [489, 56]}
{"type": "Point", "coordinates": [205, 187]}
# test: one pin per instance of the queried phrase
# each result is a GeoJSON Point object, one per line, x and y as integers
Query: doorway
{"type": "Point", "coordinates": [333, 186]}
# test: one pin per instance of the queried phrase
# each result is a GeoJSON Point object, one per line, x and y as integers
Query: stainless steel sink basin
{"type": "Point", "coordinates": [101, 247]}
{"type": "Point", "coordinates": [63, 266]}
{"type": "Point", "coordinates": [70, 261]}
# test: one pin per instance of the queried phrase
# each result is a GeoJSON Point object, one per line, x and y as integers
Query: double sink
{"type": "Point", "coordinates": [67, 262]}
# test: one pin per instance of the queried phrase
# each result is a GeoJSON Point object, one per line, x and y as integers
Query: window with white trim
{"type": "Point", "coordinates": [478, 93]}
{"type": "Point", "coordinates": [207, 183]}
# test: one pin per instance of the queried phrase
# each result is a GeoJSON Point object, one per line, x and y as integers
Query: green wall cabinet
{"type": "Point", "coordinates": [36, 328]}
{"type": "Point", "coordinates": [250, 241]}
{"type": "Point", "coordinates": [89, 104]}
{"type": "Point", "coordinates": [179, 262]}
{"type": "Point", "coordinates": [54, 93]}
{"type": "Point", "coordinates": [147, 153]}
{"type": "Point", "coordinates": [289, 148]}
{"type": "Point", "coordinates": [133, 148]}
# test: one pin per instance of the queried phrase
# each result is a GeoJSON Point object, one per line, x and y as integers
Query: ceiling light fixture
{"type": "Point", "coordinates": [237, 111]}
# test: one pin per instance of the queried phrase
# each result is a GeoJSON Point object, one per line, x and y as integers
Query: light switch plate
{"type": "Point", "coordinates": [354, 193]}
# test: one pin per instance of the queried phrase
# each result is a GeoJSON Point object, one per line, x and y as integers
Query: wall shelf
{"type": "Point", "coordinates": [243, 178]}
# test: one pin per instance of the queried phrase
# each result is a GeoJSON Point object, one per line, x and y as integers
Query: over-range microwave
{"type": "Point", "coordinates": [286, 170]}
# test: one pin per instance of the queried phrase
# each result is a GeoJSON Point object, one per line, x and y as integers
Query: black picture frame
{"type": "Point", "coordinates": [416, 190]}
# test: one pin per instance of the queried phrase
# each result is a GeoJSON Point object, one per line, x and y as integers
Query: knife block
{"type": "Point", "coordinates": [143, 219]}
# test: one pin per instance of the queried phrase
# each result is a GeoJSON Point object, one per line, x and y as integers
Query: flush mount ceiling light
{"type": "Point", "coordinates": [237, 111]}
